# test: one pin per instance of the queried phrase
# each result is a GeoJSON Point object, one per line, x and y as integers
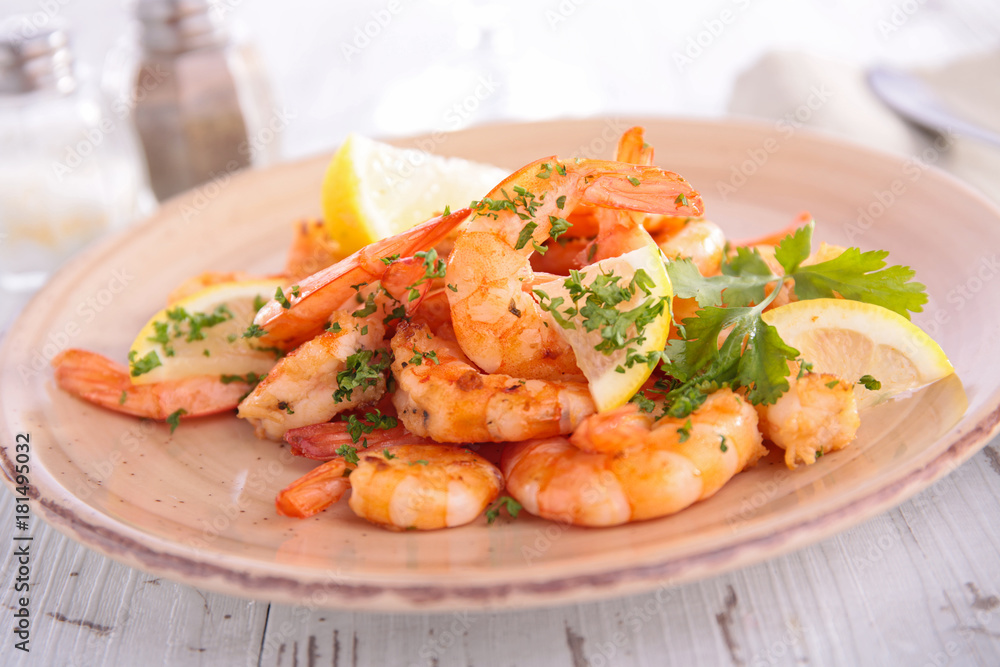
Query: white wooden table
{"type": "Point", "coordinates": [919, 585]}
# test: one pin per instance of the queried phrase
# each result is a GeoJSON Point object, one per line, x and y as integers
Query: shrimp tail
{"type": "Point", "coordinates": [315, 491]}
{"type": "Point", "coordinates": [643, 189]}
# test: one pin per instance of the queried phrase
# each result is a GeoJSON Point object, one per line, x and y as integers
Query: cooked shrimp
{"type": "Point", "coordinates": [97, 379]}
{"type": "Point", "coordinates": [621, 466]}
{"type": "Point", "coordinates": [441, 395]}
{"type": "Point", "coordinates": [320, 442]}
{"type": "Point", "coordinates": [500, 326]}
{"type": "Point", "coordinates": [423, 486]}
{"type": "Point", "coordinates": [323, 292]}
{"type": "Point", "coordinates": [307, 386]}
{"type": "Point", "coordinates": [401, 487]}
{"type": "Point", "coordinates": [817, 415]}
{"type": "Point", "coordinates": [312, 250]}
{"type": "Point", "coordinates": [302, 389]}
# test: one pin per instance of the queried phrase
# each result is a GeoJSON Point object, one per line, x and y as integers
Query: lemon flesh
{"type": "Point", "coordinates": [202, 334]}
{"type": "Point", "coordinates": [373, 190]}
{"type": "Point", "coordinates": [851, 339]}
{"type": "Point", "coordinates": [612, 384]}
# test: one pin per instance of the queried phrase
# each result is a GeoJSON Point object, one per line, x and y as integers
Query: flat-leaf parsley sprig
{"type": "Point", "coordinates": [753, 355]}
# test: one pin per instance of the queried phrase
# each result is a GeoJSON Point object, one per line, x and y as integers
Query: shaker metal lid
{"type": "Point", "coordinates": [34, 58]}
{"type": "Point", "coordinates": [175, 26]}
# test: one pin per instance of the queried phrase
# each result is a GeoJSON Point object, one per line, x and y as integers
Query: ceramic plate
{"type": "Point", "coordinates": [198, 506]}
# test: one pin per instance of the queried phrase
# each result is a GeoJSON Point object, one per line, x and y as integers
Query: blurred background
{"type": "Point", "coordinates": [293, 79]}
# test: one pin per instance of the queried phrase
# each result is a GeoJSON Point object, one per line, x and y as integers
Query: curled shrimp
{"type": "Point", "coordinates": [323, 292]}
{"type": "Point", "coordinates": [99, 380]}
{"type": "Point", "coordinates": [323, 442]}
{"type": "Point", "coordinates": [400, 487]}
{"type": "Point", "coordinates": [500, 326]}
{"type": "Point", "coordinates": [817, 415]}
{"type": "Point", "coordinates": [621, 466]}
{"type": "Point", "coordinates": [441, 395]}
{"type": "Point", "coordinates": [310, 384]}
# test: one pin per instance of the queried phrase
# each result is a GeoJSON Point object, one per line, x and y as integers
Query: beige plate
{"type": "Point", "coordinates": [197, 506]}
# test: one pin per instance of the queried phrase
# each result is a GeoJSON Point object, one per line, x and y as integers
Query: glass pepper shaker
{"type": "Point", "coordinates": [69, 173]}
{"type": "Point", "coordinates": [200, 98]}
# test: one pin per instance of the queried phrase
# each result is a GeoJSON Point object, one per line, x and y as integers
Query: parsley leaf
{"type": "Point", "coordinates": [174, 419]}
{"type": "Point", "coordinates": [513, 509]}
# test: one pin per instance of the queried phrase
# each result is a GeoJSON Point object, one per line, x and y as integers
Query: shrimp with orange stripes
{"type": "Point", "coordinates": [622, 465]}
{"type": "Point", "coordinates": [498, 324]}
{"type": "Point", "coordinates": [415, 485]}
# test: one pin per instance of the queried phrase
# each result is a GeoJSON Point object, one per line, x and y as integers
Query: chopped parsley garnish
{"type": "Point", "coordinates": [356, 428]}
{"type": "Point", "coordinates": [123, 397]}
{"type": "Point", "coordinates": [525, 235]}
{"type": "Point", "coordinates": [870, 383]}
{"type": "Point", "coordinates": [418, 357]}
{"type": "Point", "coordinates": [420, 462]}
{"type": "Point", "coordinates": [369, 306]}
{"type": "Point", "coordinates": [682, 200]}
{"type": "Point", "coordinates": [258, 302]}
{"type": "Point", "coordinates": [254, 331]}
{"type": "Point", "coordinates": [363, 370]}
{"type": "Point", "coordinates": [723, 447]}
{"type": "Point", "coordinates": [513, 508]}
{"type": "Point", "coordinates": [334, 327]}
{"type": "Point", "coordinates": [753, 355]}
{"type": "Point", "coordinates": [645, 403]}
{"type": "Point", "coordinates": [561, 202]}
{"type": "Point", "coordinates": [453, 288]}
{"type": "Point", "coordinates": [349, 453]}
{"type": "Point", "coordinates": [174, 419]}
{"type": "Point", "coordinates": [250, 378]}
{"type": "Point", "coordinates": [684, 432]}
{"type": "Point", "coordinates": [596, 306]}
{"type": "Point", "coordinates": [389, 260]}
{"type": "Point", "coordinates": [280, 297]}
{"type": "Point", "coordinates": [634, 181]}
{"type": "Point", "coordinates": [388, 455]}
{"type": "Point", "coordinates": [559, 226]}
{"type": "Point", "coordinates": [144, 364]}
{"type": "Point", "coordinates": [832, 383]}
{"type": "Point", "coordinates": [447, 210]}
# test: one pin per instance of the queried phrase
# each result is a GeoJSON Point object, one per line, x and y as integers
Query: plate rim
{"type": "Point", "coordinates": [189, 565]}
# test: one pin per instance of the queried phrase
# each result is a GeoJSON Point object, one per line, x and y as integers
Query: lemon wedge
{"type": "Point", "coordinates": [852, 339]}
{"type": "Point", "coordinates": [373, 190]}
{"type": "Point", "coordinates": [613, 381]}
{"type": "Point", "coordinates": [202, 334]}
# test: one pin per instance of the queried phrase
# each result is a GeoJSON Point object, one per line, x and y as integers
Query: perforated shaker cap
{"type": "Point", "coordinates": [34, 57]}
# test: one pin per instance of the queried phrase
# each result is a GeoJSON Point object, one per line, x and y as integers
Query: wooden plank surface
{"type": "Point", "coordinates": [919, 585]}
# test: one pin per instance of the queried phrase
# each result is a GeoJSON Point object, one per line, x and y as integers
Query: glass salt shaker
{"type": "Point", "coordinates": [67, 172]}
{"type": "Point", "coordinates": [201, 98]}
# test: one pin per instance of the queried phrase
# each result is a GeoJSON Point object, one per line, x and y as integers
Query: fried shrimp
{"type": "Point", "coordinates": [621, 466]}
{"type": "Point", "coordinates": [440, 394]}
{"type": "Point", "coordinates": [817, 415]}
{"type": "Point", "coordinates": [341, 368]}
{"type": "Point", "coordinates": [400, 487]}
{"type": "Point", "coordinates": [501, 327]}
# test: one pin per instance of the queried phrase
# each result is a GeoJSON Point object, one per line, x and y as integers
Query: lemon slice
{"type": "Point", "coordinates": [373, 190]}
{"type": "Point", "coordinates": [202, 334]}
{"type": "Point", "coordinates": [612, 382]}
{"type": "Point", "coordinates": [851, 339]}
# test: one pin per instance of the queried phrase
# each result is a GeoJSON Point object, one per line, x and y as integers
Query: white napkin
{"type": "Point", "coordinates": [834, 96]}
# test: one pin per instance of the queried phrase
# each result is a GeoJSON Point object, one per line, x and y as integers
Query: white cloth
{"type": "Point", "coordinates": [839, 101]}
